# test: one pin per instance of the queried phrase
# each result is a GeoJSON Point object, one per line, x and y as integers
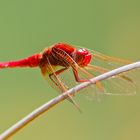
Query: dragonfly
{"type": "Point", "coordinates": [83, 64]}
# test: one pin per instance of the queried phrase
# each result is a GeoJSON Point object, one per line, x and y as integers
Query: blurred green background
{"type": "Point", "coordinates": [27, 27]}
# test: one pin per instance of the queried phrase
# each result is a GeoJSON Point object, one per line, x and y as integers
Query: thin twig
{"type": "Point", "coordinates": [37, 112]}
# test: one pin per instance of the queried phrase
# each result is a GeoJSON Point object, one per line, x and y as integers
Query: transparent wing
{"type": "Point", "coordinates": [122, 84]}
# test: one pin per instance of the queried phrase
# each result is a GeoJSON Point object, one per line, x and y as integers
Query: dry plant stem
{"type": "Point", "coordinates": [33, 115]}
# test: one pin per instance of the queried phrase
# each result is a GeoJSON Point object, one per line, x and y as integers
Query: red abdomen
{"type": "Point", "coordinates": [31, 61]}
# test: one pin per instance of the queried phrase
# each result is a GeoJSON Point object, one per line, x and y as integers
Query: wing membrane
{"type": "Point", "coordinates": [122, 84]}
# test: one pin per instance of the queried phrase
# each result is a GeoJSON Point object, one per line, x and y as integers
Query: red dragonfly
{"type": "Point", "coordinates": [83, 63]}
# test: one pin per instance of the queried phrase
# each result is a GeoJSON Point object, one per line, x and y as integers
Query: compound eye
{"type": "Point", "coordinates": [82, 51]}
{"type": "Point", "coordinates": [82, 57]}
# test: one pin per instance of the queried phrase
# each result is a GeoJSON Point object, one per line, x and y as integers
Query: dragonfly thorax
{"type": "Point", "coordinates": [65, 55]}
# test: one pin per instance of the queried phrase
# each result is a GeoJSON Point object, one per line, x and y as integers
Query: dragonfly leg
{"type": "Point", "coordinates": [57, 81]}
{"type": "Point", "coordinates": [59, 71]}
{"type": "Point", "coordinates": [63, 87]}
{"type": "Point", "coordinates": [60, 84]}
{"type": "Point", "coordinates": [78, 79]}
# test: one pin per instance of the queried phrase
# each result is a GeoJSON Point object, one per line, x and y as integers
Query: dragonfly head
{"type": "Point", "coordinates": [82, 57]}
